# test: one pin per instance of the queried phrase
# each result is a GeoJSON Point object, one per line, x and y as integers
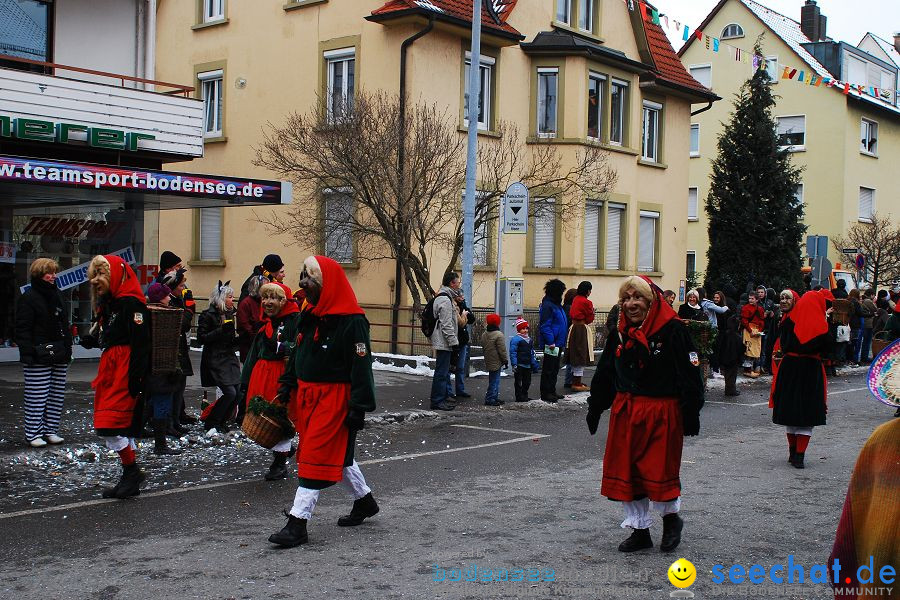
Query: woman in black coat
{"type": "Point", "coordinates": [45, 350]}
{"type": "Point", "coordinates": [219, 364]}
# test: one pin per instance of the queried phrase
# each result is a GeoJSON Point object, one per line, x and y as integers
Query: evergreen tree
{"type": "Point", "coordinates": [755, 223]}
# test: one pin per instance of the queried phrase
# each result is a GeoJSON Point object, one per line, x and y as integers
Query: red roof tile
{"type": "Point", "coordinates": [457, 9]}
{"type": "Point", "coordinates": [669, 66]}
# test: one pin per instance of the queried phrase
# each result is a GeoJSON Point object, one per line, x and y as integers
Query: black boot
{"type": "Point", "coordinates": [638, 540]}
{"type": "Point", "coordinates": [792, 457]}
{"type": "Point", "coordinates": [672, 526]}
{"type": "Point", "coordinates": [798, 460]}
{"type": "Point", "coordinates": [173, 428]}
{"type": "Point", "coordinates": [278, 468]}
{"type": "Point", "coordinates": [292, 534]}
{"type": "Point", "coordinates": [129, 485]}
{"type": "Point", "coordinates": [161, 447]}
{"type": "Point", "coordinates": [362, 509]}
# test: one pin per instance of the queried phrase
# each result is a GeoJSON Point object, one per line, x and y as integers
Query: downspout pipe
{"type": "Point", "coordinates": [702, 110]}
{"type": "Point", "coordinates": [401, 158]}
{"type": "Point", "coordinates": [150, 45]}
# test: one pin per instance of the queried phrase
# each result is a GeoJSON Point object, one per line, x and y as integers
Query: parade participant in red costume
{"type": "Point", "coordinates": [330, 373]}
{"type": "Point", "coordinates": [122, 329]}
{"type": "Point", "coordinates": [266, 358]}
{"type": "Point", "coordinates": [787, 300]}
{"type": "Point", "coordinates": [800, 390]}
{"type": "Point", "coordinates": [649, 375]}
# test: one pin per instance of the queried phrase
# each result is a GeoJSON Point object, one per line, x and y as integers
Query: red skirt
{"type": "Point", "coordinates": [264, 382]}
{"type": "Point", "coordinates": [320, 410]}
{"type": "Point", "coordinates": [643, 449]}
{"type": "Point", "coordinates": [113, 404]}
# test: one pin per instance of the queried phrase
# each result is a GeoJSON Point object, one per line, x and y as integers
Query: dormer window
{"type": "Point", "coordinates": [732, 30]}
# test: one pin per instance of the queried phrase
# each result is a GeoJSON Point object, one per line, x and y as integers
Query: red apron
{"type": "Point", "coordinates": [264, 382]}
{"type": "Point", "coordinates": [320, 410]}
{"type": "Point", "coordinates": [113, 404]}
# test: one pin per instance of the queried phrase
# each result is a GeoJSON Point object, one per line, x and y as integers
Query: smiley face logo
{"type": "Point", "coordinates": [682, 573]}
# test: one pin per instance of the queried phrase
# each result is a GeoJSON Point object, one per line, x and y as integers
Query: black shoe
{"type": "Point", "coordinates": [173, 429]}
{"type": "Point", "coordinates": [442, 406]}
{"type": "Point", "coordinates": [732, 393]}
{"type": "Point", "coordinates": [129, 484]}
{"type": "Point", "coordinates": [671, 537]}
{"type": "Point", "coordinates": [550, 399]}
{"type": "Point", "coordinates": [798, 460]}
{"type": "Point", "coordinates": [792, 457]}
{"type": "Point", "coordinates": [638, 540]}
{"type": "Point", "coordinates": [462, 395]}
{"type": "Point", "coordinates": [278, 468]}
{"type": "Point", "coordinates": [523, 399]}
{"type": "Point", "coordinates": [501, 402]}
{"type": "Point", "coordinates": [187, 419]}
{"type": "Point", "coordinates": [160, 446]}
{"type": "Point", "coordinates": [292, 534]}
{"type": "Point", "coordinates": [362, 509]}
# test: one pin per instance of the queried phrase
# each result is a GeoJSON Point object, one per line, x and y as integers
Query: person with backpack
{"type": "Point", "coordinates": [440, 316]}
{"type": "Point", "coordinates": [495, 357]}
{"type": "Point", "coordinates": [161, 387]}
{"type": "Point", "coordinates": [523, 360]}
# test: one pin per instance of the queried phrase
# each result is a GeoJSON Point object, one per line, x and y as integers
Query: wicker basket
{"type": "Point", "coordinates": [842, 310]}
{"type": "Point", "coordinates": [879, 343]}
{"type": "Point", "coordinates": [262, 429]}
{"type": "Point", "coordinates": [165, 335]}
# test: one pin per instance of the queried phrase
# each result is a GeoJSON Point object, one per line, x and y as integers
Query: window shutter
{"type": "Point", "coordinates": [614, 218]}
{"type": "Point", "coordinates": [692, 204]}
{"type": "Point", "coordinates": [647, 241]}
{"type": "Point", "coordinates": [866, 203]}
{"type": "Point", "coordinates": [703, 75]}
{"type": "Point", "coordinates": [592, 235]}
{"type": "Point", "coordinates": [545, 235]}
{"type": "Point", "coordinates": [791, 125]}
{"type": "Point", "coordinates": [211, 233]}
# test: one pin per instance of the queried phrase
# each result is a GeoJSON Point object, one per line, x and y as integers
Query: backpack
{"type": "Point", "coordinates": [427, 319]}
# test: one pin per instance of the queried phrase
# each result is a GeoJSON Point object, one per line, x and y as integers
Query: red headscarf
{"type": "Point", "coordinates": [808, 315]}
{"type": "Point", "coordinates": [290, 307]}
{"type": "Point", "coordinates": [796, 300]}
{"type": "Point", "coordinates": [660, 313]}
{"type": "Point", "coordinates": [123, 282]}
{"type": "Point", "coordinates": [337, 297]}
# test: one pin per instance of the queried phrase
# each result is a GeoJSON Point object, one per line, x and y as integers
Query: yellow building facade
{"type": "Point", "coordinates": [845, 144]}
{"type": "Point", "coordinates": [256, 62]}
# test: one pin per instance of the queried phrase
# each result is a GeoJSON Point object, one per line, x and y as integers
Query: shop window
{"type": "Point", "coordinates": [593, 211]}
{"type": "Point", "coordinates": [486, 76]}
{"type": "Point", "coordinates": [650, 138]}
{"type": "Point", "coordinates": [212, 93]}
{"type": "Point", "coordinates": [615, 224]}
{"type": "Point", "coordinates": [339, 226]}
{"type": "Point", "coordinates": [693, 196]}
{"type": "Point", "coordinates": [732, 30]}
{"type": "Point", "coordinates": [866, 204]}
{"type": "Point", "coordinates": [25, 32]}
{"type": "Point", "coordinates": [213, 10]}
{"type": "Point", "coordinates": [564, 11]}
{"type": "Point", "coordinates": [618, 112]}
{"type": "Point", "coordinates": [596, 93]}
{"type": "Point", "coordinates": [695, 139]}
{"type": "Point", "coordinates": [341, 83]}
{"type": "Point", "coordinates": [647, 232]}
{"type": "Point", "coordinates": [548, 81]}
{"type": "Point", "coordinates": [703, 74]}
{"type": "Point", "coordinates": [791, 132]}
{"type": "Point", "coordinates": [868, 131]}
{"type": "Point", "coordinates": [210, 234]}
{"type": "Point", "coordinates": [544, 233]}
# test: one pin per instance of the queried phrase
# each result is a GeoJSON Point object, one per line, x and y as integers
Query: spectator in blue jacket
{"type": "Point", "coordinates": [523, 360]}
{"type": "Point", "coordinates": [554, 330]}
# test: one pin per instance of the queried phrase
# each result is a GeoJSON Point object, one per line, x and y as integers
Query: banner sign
{"type": "Point", "coordinates": [78, 275]}
{"type": "Point", "coordinates": [7, 253]}
{"type": "Point", "coordinates": [85, 176]}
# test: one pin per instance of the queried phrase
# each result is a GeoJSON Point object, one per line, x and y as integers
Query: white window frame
{"type": "Point", "coordinates": [695, 214]}
{"type": "Point", "coordinates": [347, 254]}
{"type": "Point", "coordinates": [593, 238]}
{"type": "Point", "coordinates": [486, 71]}
{"type": "Point", "coordinates": [779, 133]}
{"type": "Point", "coordinates": [733, 36]}
{"type": "Point", "coordinates": [213, 10]}
{"type": "Point", "coordinates": [772, 68]}
{"type": "Point", "coordinates": [866, 218]}
{"type": "Point", "coordinates": [613, 257]}
{"type": "Point", "coordinates": [708, 67]}
{"type": "Point", "coordinates": [652, 121]}
{"type": "Point", "coordinates": [648, 216]}
{"type": "Point", "coordinates": [211, 83]}
{"type": "Point", "coordinates": [542, 74]}
{"type": "Point", "coordinates": [213, 217]}
{"type": "Point", "coordinates": [601, 97]}
{"type": "Point", "coordinates": [566, 6]}
{"type": "Point", "coordinates": [868, 127]}
{"type": "Point", "coordinates": [342, 56]}
{"type": "Point", "coordinates": [589, 7]}
{"type": "Point", "coordinates": [688, 254]}
{"type": "Point", "coordinates": [621, 115]}
{"type": "Point", "coordinates": [541, 219]}
{"type": "Point", "coordinates": [694, 152]}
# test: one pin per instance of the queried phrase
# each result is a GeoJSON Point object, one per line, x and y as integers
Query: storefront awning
{"type": "Point", "coordinates": [35, 186]}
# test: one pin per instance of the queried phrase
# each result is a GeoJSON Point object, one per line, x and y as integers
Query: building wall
{"type": "Point", "coordinates": [103, 35]}
{"type": "Point", "coordinates": [281, 68]}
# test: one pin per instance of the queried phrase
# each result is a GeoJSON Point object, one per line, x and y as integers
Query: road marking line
{"type": "Point", "coordinates": [526, 438]}
{"type": "Point", "coordinates": [847, 391]}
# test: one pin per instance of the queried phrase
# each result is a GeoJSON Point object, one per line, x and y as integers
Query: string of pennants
{"type": "Point", "coordinates": [806, 75]}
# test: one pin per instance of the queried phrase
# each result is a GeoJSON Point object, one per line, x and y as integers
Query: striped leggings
{"type": "Point", "coordinates": [44, 391]}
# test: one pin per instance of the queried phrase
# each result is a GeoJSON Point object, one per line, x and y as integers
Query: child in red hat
{"type": "Point", "coordinates": [495, 357]}
{"type": "Point", "coordinates": [523, 360]}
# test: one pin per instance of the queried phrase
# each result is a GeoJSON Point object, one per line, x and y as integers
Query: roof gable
{"type": "Point", "coordinates": [668, 66]}
{"type": "Point", "coordinates": [494, 13]}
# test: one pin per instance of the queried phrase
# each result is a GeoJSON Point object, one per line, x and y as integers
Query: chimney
{"type": "Point", "coordinates": [823, 27]}
{"type": "Point", "coordinates": [897, 40]}
{"type": "Point", "coordinates": [810, 21]}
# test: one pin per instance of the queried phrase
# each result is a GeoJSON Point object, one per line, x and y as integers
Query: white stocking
{"type": "Point", "coordinates": [354, 482]}
{"type": "Point", "coordinates": [667, 508]}
{"type": "Point", "coordinates": [637, 514]}
{"type": "Point", "coordinates": [117, 443]}
{"type": "Point", "coordinates": [304, 503]}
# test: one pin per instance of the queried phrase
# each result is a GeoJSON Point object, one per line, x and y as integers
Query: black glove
{"type": "Point", "coordinates": [356, 420]}
{"type": "Point", "coordinates": [506, 365]}
{"type": "Point", "coordinates": [593, 420]}
{"type": "Point", "coordinates": [691, 420]}
{"type": "Point", "coordinates": [228, 326]}
{"type": "Point", "coordinates": [89, 342]}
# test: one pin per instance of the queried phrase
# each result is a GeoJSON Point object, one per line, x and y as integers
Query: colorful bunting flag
{"type": "Point", "coordinates": [707, 42]}
{"type": "Point", "coordinates": [800, 76]}
{"type": "Point", "coordinates": [715, 44]}
{"type": "Point", "coordinates": [687, 33]}
{"type": "Point", "coordinates": [654, 16]}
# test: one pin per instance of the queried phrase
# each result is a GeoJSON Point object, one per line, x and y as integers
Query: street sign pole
{"type": "Point", "coordinates": [472, 152]}
{"type": "Point", "coordinates": [500, 226]}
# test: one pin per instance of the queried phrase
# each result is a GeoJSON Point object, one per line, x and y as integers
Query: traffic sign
{"type": "Point", "coordinates": [860, 262]}
{"type": "Point", "coordinates": [849, 251]}
{"type": "Point", "coordinates": [515, 215]}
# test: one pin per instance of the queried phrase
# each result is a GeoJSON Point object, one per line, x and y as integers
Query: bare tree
{"type": "Point", "coordinates": [879, 241]}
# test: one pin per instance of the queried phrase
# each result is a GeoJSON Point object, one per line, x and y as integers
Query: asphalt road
{"type": "Point", "coordinates": [515, 488]}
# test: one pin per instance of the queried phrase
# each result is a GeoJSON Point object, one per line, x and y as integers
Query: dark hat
{"type": "Point", "coordinates": [493, 319]}
{"type": "Point", "coordinates": [272, 263]}
{"type": "Point", "coordinates": [168, 260]}
{"type": "Point", "coordinates": [157, 291]}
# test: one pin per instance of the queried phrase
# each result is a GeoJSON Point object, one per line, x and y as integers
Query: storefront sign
{"type": "Point", "coordinates": [7, 253]}
{"type": "Point", "coordinates": [71, 228]}
{"type": "Point", "coordinates": [66, 133]}
{"type": "Point", "coordinates": [74, 175]}
{"type": "Point", "coordinates": [78, 275]}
